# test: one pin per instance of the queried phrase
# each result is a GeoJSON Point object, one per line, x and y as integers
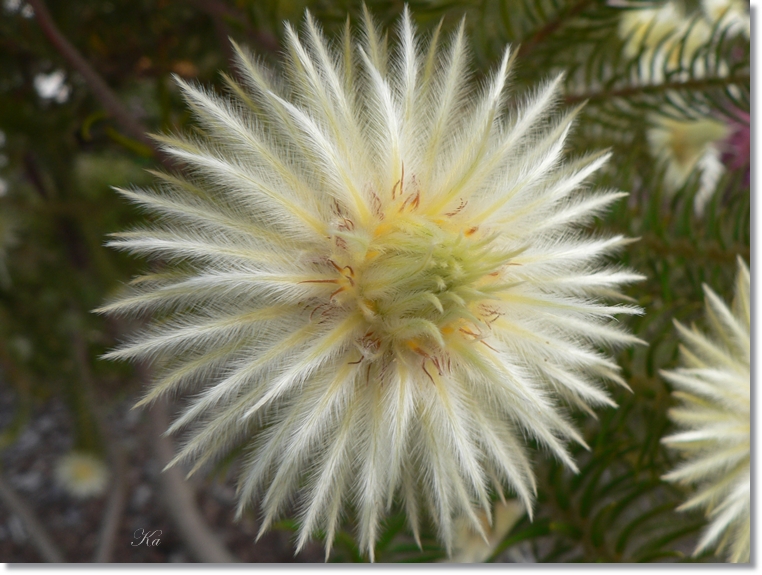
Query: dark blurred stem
{"type": "Point", "coordinates": [114, 509]}
{"type": "Point", "coordinates": [34, 176]}
{"type": "Point", "coordinates": [39, 537]}
{"type": "Point", "coordinates": [97, 85]}
{"type": "Point", "coordinates": [563, 17]}
{"type": "Point", "coordinates": [684, 248]}
{"type": "Point", "coordinates": [180, 500]}
{"type": "Point", "coordinates": [630, 91]}
{"type": "Point", "coordinates": [100, 89]}
{"type": "Point", "coordinates": [117, 498]}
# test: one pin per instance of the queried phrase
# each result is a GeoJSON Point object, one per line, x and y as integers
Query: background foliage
{"type": "Point", "coordinates": [62, 147]}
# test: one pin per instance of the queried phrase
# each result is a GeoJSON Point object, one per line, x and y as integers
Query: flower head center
{"type": "Point", "coordinates": [418, 282]}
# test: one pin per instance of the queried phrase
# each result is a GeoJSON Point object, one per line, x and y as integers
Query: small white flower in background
{"type": "Point", "coordinates": [470, 546]}
{"type": "Point", "coordinates": [377, 278]}
{"type": "Point", "coordinates": [733, 15]}
{"type": "Point", "coordinates": [17, 6]}
{"type": "Point", "coordinates": [686, 147]}
{"type": "Point", "coordinates": [52, 86]}
{"type": "Point", "coordinates": [82, 474]}
{"type": "Point", "coordinates": [713, 389]}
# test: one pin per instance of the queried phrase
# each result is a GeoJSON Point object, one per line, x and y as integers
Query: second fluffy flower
{"type": "Point", "coordinates": [714, 391]}
{"type": "Point", "coordinates": [379, 282]}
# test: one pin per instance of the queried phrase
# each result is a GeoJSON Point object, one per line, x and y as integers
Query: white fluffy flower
{"type": "Point", "coordinates": [686, 147]}
{"type": "Point", "coordinates": [82, 474]}
{"type": "Point", "coordinates": [714, 392]}
{"type": "Point", "coordinates": [377, 279]}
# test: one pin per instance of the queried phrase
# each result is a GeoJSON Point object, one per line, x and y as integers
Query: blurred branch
{"type": "Point", "coordinates": [549, 28]}
{"type": "Point", "coordinates": [41, 540]}
{"type": "Point", "coordinates": [112, 516]}
{"type": "Point", "coordinates": [695, 85]}
{"type": "Point", "coordinates": [65, 228]}
{"type": "Point", "coordinates": [114, 508]}
{"type": "Point", "coordinates": [100, 89]}
{"type": "Point", "coordinates": [32, 172]}
{"type": "Point", "coordinates": [179, 498]}
{"type": "Point", "coordinates": [681, 247]}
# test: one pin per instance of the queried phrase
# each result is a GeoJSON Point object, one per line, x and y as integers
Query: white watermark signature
{"type": "Point", "coordinates": [149, 538]}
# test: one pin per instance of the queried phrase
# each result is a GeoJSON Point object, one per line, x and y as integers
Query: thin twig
{"type": "Point", "coordinates": [39, 537]}
{"type": "Point", "coordinates": [561, 18]}
{"type": "Point", "coordinates": [699, 84]}
{"type": "Point", "coordinates": [179, 498]}
{"type": "Point", "coordinates": [32, 172]}
{"type": "Point", "coordinates": [112, 517]}
{"type": "Point", "coordinates": [685, 248]}
{"type": "Point", "coordinates": [117, 500]}
{"type": "Point", "coordinates": [100, 89]}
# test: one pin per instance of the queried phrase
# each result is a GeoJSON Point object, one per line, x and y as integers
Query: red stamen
{"type": "Point", "coordinates": [337, 292]}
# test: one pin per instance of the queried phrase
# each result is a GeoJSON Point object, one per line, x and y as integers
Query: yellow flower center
{"type": "Point", "coordinates": [417, 282]}
{"type": "Point", "coordinates": [82, 472]}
